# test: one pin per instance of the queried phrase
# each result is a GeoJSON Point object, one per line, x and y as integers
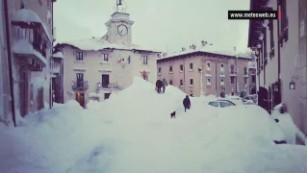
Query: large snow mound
{"type": "Point", "coordinates": [133, 132]}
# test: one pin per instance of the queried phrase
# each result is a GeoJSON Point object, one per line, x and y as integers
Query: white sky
{"type": "Point", "coordinates": [166, 25]}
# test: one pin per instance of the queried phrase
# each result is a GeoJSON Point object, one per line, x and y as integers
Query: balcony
{"type": "Point", "coordinates": [26, 18]}
{"type": "Point", "coordinates": [25, 49]}
{"type": "Point", "coordinates": [79, 86]}
{"type": "Point", "coordinates": [110, 86]}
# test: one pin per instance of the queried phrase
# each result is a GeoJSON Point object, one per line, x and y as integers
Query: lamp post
{"type": "Point", "coordinates": [201, 81]}
{"type": "Point", "coordinates": [237, 71]}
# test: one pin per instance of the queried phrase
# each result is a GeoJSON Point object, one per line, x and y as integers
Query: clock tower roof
{"type": "Point", "coordinates": [119, 17]}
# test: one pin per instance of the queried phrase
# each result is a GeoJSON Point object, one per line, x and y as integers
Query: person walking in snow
{"type": "Point", "coordinates": [186, 103]}
{"type": "Point", "coordinates": [159, 85]}
{"type": "Point", "coordinates": [164, 84]}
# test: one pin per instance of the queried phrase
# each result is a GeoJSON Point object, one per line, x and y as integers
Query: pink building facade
{"type": "Point", "coordinates": [198, 72]}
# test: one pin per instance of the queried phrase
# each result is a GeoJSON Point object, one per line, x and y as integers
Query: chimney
{"type": "Point", "coordinates": [203, 43]}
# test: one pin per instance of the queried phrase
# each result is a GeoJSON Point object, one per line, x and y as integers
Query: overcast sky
{"type": "Point", "coordinates": [166, 25]}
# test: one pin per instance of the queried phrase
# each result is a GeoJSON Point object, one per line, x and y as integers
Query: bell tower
{"type": "Point", "coordinates": [119, 26]}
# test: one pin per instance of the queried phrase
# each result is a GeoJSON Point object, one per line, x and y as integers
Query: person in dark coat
{"type": "Point", "coordinates": [159, 85]}
{"type": "Point", "coordinates": [186, 103]}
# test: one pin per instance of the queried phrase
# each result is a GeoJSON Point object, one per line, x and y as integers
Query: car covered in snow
{"type": "Point", "coordinates": [240, 101]}
{"type": "Point", "coordinates": [221, 103]}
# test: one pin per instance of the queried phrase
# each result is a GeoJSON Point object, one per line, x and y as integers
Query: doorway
{"type": "Point", "coordinates": [23, 89]}
{"type": "Point", "coordinates": [80, 99]}
{"type": "Point", "coordinates": [263, 98]}
{"type": "Point", "coordinates": [105, 79]}
{"type": "Point", "coordinates": [107, 95]}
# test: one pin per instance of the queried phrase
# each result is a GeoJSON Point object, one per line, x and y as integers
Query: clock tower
{"type": "Point", "coordinates": [119, 26]}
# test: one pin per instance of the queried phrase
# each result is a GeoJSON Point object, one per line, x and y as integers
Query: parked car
{"type": "Point", "coordinates": [240, 101]}
{"type": "Point", "coordinates": [251, 97]}
{"type": "Point", "coordinates": [221, 103]}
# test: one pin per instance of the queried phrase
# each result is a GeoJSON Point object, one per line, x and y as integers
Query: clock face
{"type": "Point", "coordinates": [122, 30]}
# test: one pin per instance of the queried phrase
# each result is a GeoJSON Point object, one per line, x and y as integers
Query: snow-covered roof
{"type": "Point", "coordinates": [100, 43]}
{"type": "Point", "coordinates": [28, 16]}
{"type": "Point", "coordinates": [23, 46]}
{"type": "Point", "coordinates": [251, 65]}
{"type": "Point", "coordinates": [58, 55]}
{"type": "Point", "coordinates": [208, 49]}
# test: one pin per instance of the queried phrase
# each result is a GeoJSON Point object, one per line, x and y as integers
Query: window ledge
{"type": "Point", "coordinates": [171, 72]}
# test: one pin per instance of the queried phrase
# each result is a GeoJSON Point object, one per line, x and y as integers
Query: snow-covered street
{"type": "Point", "coordinates": [132, 132]}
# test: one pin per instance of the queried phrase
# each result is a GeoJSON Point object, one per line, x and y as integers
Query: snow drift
{"type": "Point", "coordinates": [133, 132]}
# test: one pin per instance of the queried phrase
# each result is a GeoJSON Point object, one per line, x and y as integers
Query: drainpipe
{"type": "Point", "coordinates": [278, 55]}
{"type": "Point", "coordinates": [216, 79]}
{"type": "Point", "coordinates": [11, 79]}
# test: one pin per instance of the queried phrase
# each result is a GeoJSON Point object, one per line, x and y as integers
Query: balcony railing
{"type": "Point", "coordinates": [233, 73]}
{"type": "Point", "coordinates": [110, 86]}
{"type": "Point", "coordinates": [79, 85]}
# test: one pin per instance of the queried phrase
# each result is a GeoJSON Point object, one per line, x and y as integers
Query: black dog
{"type": "Point", "coordinates": [173, 114]}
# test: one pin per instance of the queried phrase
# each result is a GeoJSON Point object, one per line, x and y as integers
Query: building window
{"type": "Point", "coordinates": [159, 70]}
{"type": "Point", "coordinates": [232, 69]}
{"type": "Point", "coordinates": [79, 77]}
{"type": "Point", "coordinates": [271, 27]}
{"type": "Point", "coordinates": [191, 82]}
{"type": "Point", "coordinates": [245, 80]}
{"type": "Point", "coordinates": [264, 42]}
{"type": "Point", "coordinates": [181, 83]}
{"type": "Point", "coordinates": [181, 68]}
{"type": "Point", "coordinates": [222, 82]}
{"type": "Point", "coordinates": [22, 5]}
{"type": "Point", "coordinates": [79, 56]}
{"type": "Point", "coordinates": [145, 59]}
{"type": "Point", "coordinates": [245, 70]}
{"type": "Point", "coordinates": [222, 67]}
{"type": "Point", "coordinates": [232, 79]}
{"type": "Point", "coordinates": [170, 82]}
{"type": "Point", "coordinates": [253, 78]}
{"type": "Point", "coordinates": [106, 57]}
{"type": "Point", "coordinates": [191, 66]}
{"type": "Point", "coordinates": [208, 66]}
{"type": "Point", "coordinates": [171, 69]}
{"type": "Point", "coordinates": [208, 81]}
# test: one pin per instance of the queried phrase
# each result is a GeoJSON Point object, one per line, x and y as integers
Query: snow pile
{"type": "Point", "coordinates": [286, 123]}
{"type": "Point", "coordinates": [133, 132]}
